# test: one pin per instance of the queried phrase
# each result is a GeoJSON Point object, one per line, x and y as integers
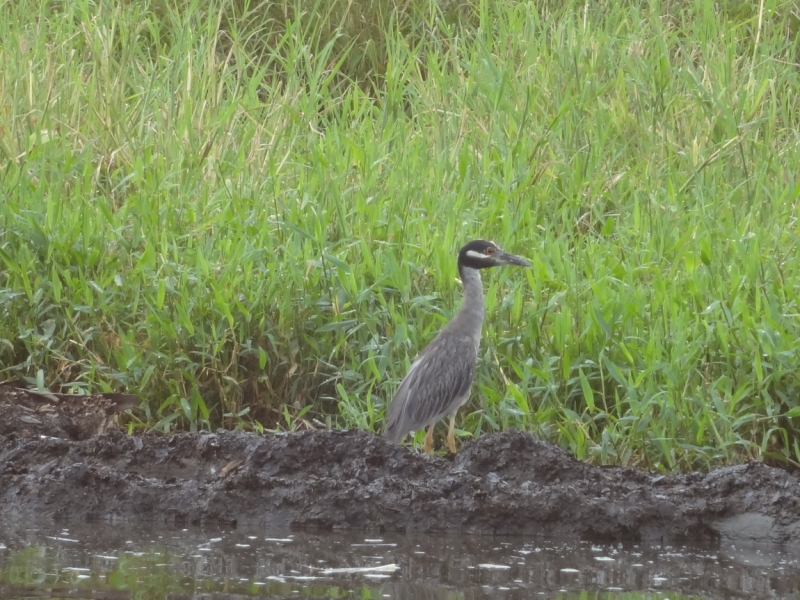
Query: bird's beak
{"type": "Point", "coordinates": [510, 259]}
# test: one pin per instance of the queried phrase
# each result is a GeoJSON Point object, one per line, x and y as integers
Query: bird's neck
{"type": "Point", "coordinates": [471, 312]}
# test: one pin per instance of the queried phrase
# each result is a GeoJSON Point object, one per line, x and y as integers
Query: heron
{"type": "Point", "coordinates": [440, 378]}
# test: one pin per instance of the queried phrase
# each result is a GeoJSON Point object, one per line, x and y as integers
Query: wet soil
{"type": "Point", "coordinates": [505, 483]}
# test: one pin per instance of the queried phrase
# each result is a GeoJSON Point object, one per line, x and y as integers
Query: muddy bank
{"type": "Point", "coordinates": [506, 483]}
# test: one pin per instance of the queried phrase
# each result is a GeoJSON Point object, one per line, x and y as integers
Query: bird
{"type": "Point", "coordinates": [440, 378]}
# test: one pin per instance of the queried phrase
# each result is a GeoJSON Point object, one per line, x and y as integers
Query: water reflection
{"type": "Point", "coordinates": [156, 562]}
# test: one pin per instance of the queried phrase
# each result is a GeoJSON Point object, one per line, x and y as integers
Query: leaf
{"type": "Point", "coordinates": [162, 291]}
{"type": "Point", "coordinates": [615, 372]}
{"type": "Point", "coordinates": [223, 306]}
{"type": "Point", "coordinates": [588, 394]}
{"type": "Point", "coordinates": [337, 263]}
{"type": "Point", "coordinates": [759, 370]}
{"type": "Point", "coordinates": [566, 364]}
{"type": "Point", "coordinates": [199, 404]}
{"type": "Point", "coordinates": [147, 261]}
{"type": "Point", "coordinates": [705, 257]}
{"type": "Point", "coordinates": [598, 315]}
{"type": "Point", "coordinates": [345, 324]}
{"type": "Point", "coordinates": [49, 328]}
{"type": "Point", "coordinates": [56, 280]}
{"type": "Point", "coordinates": [187, 409]}
{"type": "Point", "coordinates": [146, 377]}
{"type": "Point", "coordinates": [262, 359]}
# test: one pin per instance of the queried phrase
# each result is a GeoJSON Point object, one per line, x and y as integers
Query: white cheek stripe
{"type": "Point", "coordinates": [473, 254]}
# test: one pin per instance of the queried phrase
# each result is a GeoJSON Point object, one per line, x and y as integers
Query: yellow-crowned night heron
{"type": "Point", "coordinates": [440, 378]}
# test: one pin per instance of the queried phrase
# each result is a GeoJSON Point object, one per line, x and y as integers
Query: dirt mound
{"type": "Point", "coordinates": [507, 483]}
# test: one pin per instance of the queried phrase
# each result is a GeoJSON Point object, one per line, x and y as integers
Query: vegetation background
{"type": "Point", "coordinates": [248, 212]}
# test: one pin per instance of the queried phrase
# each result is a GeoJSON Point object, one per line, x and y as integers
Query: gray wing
{"type": "Point", "coordinates": [435, 386]}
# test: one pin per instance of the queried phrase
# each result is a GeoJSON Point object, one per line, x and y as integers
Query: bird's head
{"type": "Point", "coordinates": [481, 254]}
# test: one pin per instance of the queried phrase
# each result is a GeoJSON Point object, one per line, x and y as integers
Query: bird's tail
{"type": "Point", "coordinates": [393, 433]}
{"type": "Point", "coordinates": [396, 425]}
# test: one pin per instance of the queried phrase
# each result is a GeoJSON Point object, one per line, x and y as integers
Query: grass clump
{"type": "Point", "coordinates": [248, 213]}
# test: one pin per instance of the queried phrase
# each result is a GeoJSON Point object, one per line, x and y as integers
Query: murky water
{"type": "Point", "coordinates": [120, 561]}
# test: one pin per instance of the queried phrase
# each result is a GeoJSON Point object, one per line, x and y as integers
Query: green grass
{"type": "Point", "coordinates": [248, 213]}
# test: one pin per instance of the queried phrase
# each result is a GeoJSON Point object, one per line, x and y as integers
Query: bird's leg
{"type": "Point", "coordinates": [428, 445]}
{"type": "Point", "coordinates": [451, 437]}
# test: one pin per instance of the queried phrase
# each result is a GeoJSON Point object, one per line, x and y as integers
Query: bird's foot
{"type": "Point", "coordinates": [451, 442]}
{"type": "Point", "coordinates": [427, 447]}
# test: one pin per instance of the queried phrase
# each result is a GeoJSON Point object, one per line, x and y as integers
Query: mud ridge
{"type": "Point", "coordinates": [505, 483]}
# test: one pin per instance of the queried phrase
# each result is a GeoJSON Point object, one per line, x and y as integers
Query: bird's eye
{"type": "Point", "coordinates": [489, 251]}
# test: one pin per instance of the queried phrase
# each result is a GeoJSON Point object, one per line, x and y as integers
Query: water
{"type": "Point", "coordinates": [111, 561]}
